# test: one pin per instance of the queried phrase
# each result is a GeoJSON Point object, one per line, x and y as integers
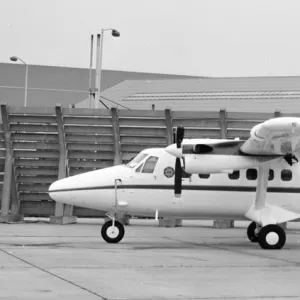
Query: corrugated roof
{"type": "Point", "coordinates": [235, 94]}
{"type": "Point", "coordinates": [213, 96]}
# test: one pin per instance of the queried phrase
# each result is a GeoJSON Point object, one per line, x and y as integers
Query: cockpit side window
{"type": "Point", "coordinates": [139, 168]}
{"type": "Point", "coordinates": [150, 164]}
{"type": "Point", "coordinates": [136, 160]}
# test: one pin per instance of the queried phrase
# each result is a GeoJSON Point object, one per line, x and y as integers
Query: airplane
{"type": "Point", "coordinates": [255, 179]}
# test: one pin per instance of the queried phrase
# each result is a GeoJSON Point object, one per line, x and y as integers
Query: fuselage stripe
{"type": "Point", "coordinates": [187, 188]}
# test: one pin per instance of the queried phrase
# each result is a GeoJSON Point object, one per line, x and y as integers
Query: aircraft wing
{"type": "Point", "coordinates": [278, 136]}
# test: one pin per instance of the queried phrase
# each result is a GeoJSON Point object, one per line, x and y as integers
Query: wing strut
{"type": "Point", "coordinates": [262, 185]}
{"type": "Point", "coordinates": [263, 213]}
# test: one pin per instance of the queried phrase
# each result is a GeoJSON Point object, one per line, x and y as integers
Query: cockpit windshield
{"type": "Point", "coordinates": [136, 160]}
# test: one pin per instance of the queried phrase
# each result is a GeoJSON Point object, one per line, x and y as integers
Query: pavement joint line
{"type": "Point", "coordinates": [155, 267]}
{"type": "Point", "coordinates": [171, 267]}
{"type": "Point", "coordinates": [52, 274]}
{"type": "Point", "coordinates": [212, 298]}
{"type": "Point", "coordinates": [235, 251]}
{"type": "Point", "coordinates": [49, 236]}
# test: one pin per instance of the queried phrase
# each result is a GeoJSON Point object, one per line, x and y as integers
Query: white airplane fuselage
{"type": "Point", "coordinates": [145, 194]}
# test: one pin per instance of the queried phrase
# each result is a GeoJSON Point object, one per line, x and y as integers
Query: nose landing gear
{"type": "Point", "coordinates": [113, 231]}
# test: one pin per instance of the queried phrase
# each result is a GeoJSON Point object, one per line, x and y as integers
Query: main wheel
{"type": "Point", "coordinates": [112, 234]}
{"type": "Point", "coordinates": [271, 237]}
{"type": "Point", "coordinates": [251, 233]}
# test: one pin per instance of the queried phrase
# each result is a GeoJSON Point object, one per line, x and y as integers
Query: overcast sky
{"type": "Point", "coordinates": [192, 37]}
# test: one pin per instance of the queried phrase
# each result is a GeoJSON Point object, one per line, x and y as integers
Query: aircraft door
{"type": "Point", "coordinates": [142, 180]}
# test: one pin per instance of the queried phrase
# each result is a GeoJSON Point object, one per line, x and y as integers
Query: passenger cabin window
{"type": "Point", "coordinates": [204, 176]}
{"type": "Point", "coordinates": [150, 164]}
{"type": "Point", "coordinates": [271, 174]}
{"type": "Point", "coordinates": [234, 175]}
{"type": "Point", "coordinates": [251, 174]}
{"type": "Point", "coordinates": [286, 175]}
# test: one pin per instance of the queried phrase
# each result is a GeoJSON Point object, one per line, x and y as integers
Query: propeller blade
{"type": "Point", "coordinates": [178, 177]}
{"type": "Point", "coordinates": [290, 158]}
{"type": "Point", "coordinates": [179, 136]}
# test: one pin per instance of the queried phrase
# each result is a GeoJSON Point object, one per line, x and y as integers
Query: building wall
{"type": "Point", "coordinates": [49, 85]}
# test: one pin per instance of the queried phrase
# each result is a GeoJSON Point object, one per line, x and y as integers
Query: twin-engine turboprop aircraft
{"type": "Point", "coordinates": [255, 179]}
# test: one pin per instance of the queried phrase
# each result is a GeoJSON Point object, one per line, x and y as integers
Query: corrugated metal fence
{"type": "Point", "coordinates": [40, 145]}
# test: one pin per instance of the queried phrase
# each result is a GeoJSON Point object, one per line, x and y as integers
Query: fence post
{"type": "Point", "coordinates": [116, 134]}
{"type": "Point", "coordinates": [15, 203]}
{"type": "Point", "coordinates": [121, 217]}
{"type": "Point", "coordinates": [277, 113]}
{"type": "Point", "coordinates": [9, 192]}
{"type": "Point", "coordinates": [63, 212]}
{"type": "Point", "coordinates": [223, 127]}
{"type": "Point", "coordinates": [223, 123]}
{"type": "Point", "coordinates": [169, 125]}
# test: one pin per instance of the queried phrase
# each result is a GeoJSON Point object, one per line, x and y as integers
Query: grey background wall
{"type": "Point", "coordinates": [50, 85]}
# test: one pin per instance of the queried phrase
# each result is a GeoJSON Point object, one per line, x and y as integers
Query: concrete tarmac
{"type": "Point", "coordinates": [43, 261]}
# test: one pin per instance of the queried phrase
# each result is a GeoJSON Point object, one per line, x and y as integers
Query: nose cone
{"type": "Point", "coordinates": [60, 190]}
{"type": "Point", "coordinates": [57, 185]}
{"type": "Point", "coordinates": [87, 188]}
{"type": "Point", "coordinates": [63, 190]}
{"type": "Point", "coordinates": [173, 150]}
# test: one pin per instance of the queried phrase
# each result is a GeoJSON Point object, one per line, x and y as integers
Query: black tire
{"type": "Point", "coordinates": [271, 229]}
{"type": "Point", "coordinates": [251, 233]}
{"type": "Point", "coordinates": [105, 232]}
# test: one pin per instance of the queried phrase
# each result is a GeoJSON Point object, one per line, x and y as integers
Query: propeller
{"type": "Point", "coordinates": [290, 158]}
{"type": "Point", "coordinates": [178, 170]}
{"type": "Point", "coordinates": [179, 136]}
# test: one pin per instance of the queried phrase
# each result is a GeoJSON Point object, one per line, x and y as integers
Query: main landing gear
{"type": "Point", "coordinates": [252, 232]}
{"type": "Point", "coordinates": [268, 237]}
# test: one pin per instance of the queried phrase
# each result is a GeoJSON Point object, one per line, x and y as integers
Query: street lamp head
{"type": "Point", "coordinates": [115, 33]}
{"type": "Point", "coordinates": [13, 58]}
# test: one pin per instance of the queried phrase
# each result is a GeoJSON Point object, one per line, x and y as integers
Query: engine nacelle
{"type": "Point", "coordinates": [207, 163]}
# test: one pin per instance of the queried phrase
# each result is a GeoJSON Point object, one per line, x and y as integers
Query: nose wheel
{"type": "Point", "coordinates": [112, 232]}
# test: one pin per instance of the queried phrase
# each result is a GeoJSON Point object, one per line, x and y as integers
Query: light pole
{"type": "Point", "coordinates": [114, 33]}
{"type": "Point", "coordinates": [16, 58]}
